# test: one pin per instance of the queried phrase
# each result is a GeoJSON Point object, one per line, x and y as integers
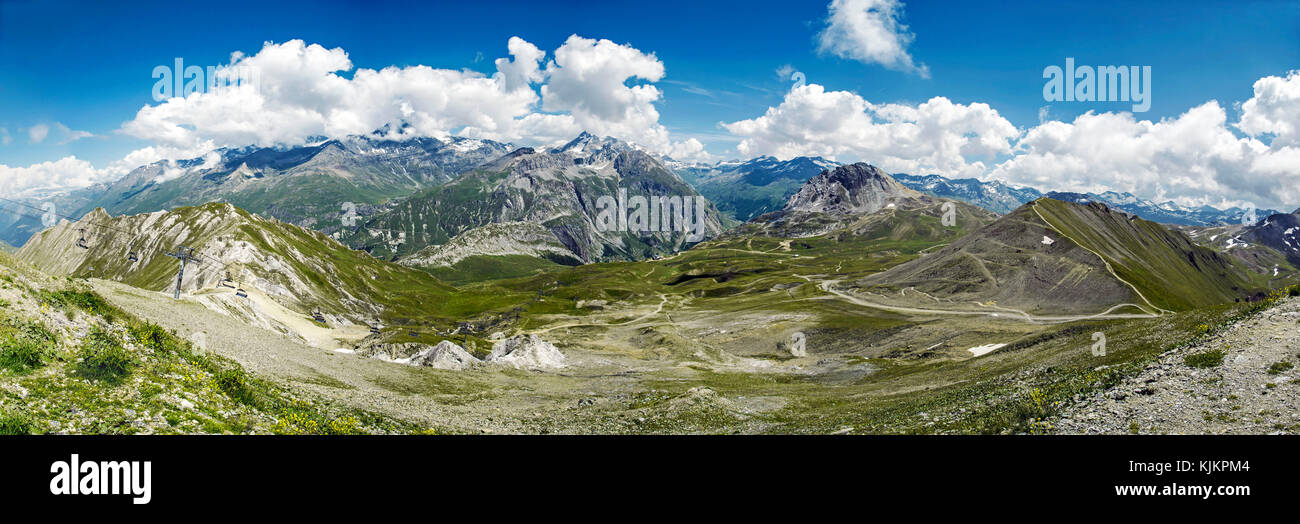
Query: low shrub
{"type": "Point", "coordinates": [1206, 359]}
{"type": "Point", "coordinates": [103, 357]}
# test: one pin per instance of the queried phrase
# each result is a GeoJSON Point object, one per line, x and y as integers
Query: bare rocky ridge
{"type": "Point", "coordinates": [861, 200]}
{"type": "Point", "coordinates": [855, 189]}
{"type": "Point", "coordinates": [1280, 232]}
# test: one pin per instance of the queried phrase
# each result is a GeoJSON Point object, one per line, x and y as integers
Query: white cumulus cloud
{"type": "Point", "coordinates": [870, 32]}
{"type": "Point", "coordinates": [1275, 109]}
{"type": "Point", "coordinates": [64, 173]}
{"type": "Point", "coordinates": [589, 79]}
{"type": "Point", "coordinates": [298, 92]}
{"type": "Point", "coordinates": [301, 90]}
{"type": "Point", "coordinates": [1193, 159]}
{"type": "Point", "coordinates": [937, 136]}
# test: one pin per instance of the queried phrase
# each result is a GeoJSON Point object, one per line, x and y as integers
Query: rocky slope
{"type": "Point", "coordinates": [1239, 381]}
{"type": "Point", "coordinates": [497, 239]}
{"type": "Point", "coordinates": [294, 267]}
{"type": "Point", "coordinates": [1281, 232]}
{"type": "Point", "coordinates": [572, 191]}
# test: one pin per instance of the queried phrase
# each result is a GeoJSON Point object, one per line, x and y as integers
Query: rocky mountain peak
{"type": "Point", "coordinates": [849, 189]}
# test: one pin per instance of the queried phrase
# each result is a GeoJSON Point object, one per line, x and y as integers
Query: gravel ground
{"type": "Point", "coordinates": [1239, 396]}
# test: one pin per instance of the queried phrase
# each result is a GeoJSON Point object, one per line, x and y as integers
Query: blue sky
{"type": "Point", "coordinates": [87, 66]}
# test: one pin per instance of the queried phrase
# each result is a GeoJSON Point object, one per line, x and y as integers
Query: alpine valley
{"type": "Point", "coordinates": [399, 284]}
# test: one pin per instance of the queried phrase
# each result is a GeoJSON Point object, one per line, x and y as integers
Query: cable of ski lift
{"type": "Point", "coordinates": [69, 218]}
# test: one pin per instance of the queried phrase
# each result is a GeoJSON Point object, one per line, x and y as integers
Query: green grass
{"type": "Point", "coordinates": [1278, 368]}
{"type": "Point", "coordinates": [479, 268]}
{"type": "Point", "coordinates": [89, 302]}
{"type": "Point", "coordinates": [1171, 270]}
{"type": "Point", "coordinates": [24, 345]}
{"type": "Point", "coordinates": [14, 423]}
{"type": "Point", "coordinates": [1205, 359]}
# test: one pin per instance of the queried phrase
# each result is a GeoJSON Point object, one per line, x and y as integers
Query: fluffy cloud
{"type": "Point", "coordinates": [525, 68]}
{"type": "Point", "coordinates": [1192, 159]}
{"type": "Point", "coordinates": [589, 80]}
{"type": "Point", "coordinates": [1275, 109]}
{"type": "Point", "coordinates": [869, 31]}
{"type": "Point", "coordinates": [71, 172]}
{"type": "Point", "coordinates": [59, 174]}
{"type": "Point", "coordinates": [297, 93]}
{"type": "Point", "coordinates": [1192, 154]}
{"type": "Point", "coordinates": [689, 150]}
{"type": "Point", "coordinates": [937, 136]}
{"type": "Point", "coordinates": [1195, 158]}
{"type": "Point", "coordinates": [293, 91]}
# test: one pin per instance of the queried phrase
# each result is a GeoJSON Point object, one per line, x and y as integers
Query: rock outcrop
{"type": "Point", "coordinates": [526, 352]}
{"type": "Point", "coordinates": [445, 355]}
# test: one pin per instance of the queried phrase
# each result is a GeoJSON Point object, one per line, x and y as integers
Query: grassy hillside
{"type": "Point", "coordinates": [1170, 270]}
{"type": "Point", "coordinates": [1062, 258]}
{"type": "Point", "coordinates": [71, 363]}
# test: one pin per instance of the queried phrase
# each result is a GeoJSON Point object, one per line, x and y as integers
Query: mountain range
{"type": "Point", "coordinates": [744, 190]}
{"type": "Point", "coordinates": [1000, 197]}
{"type": "Point", "coordinates": [306, 185]}
{"type": "Point", "coordinates": [566, 190]}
